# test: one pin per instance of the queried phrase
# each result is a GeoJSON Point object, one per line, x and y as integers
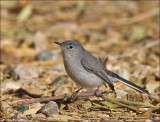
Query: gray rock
{"type": "Point", "coordinates": [47, 55]}
{"type": "Point", "coordinates": [49, 109]}
{"type": "Point", "coordinates": [26, 72]}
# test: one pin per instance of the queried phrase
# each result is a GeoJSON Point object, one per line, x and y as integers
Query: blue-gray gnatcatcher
{"type": "Point", "coordinates": [86, 70]}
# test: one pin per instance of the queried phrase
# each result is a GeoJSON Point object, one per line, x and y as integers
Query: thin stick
{"type": "Point", "coordinates": [3, 109]}
{"type": "Point", "coordinates": [44, 99]}
{"type": "Point", "coordinates": [152, 44]}
{"type": "Point", "coordinates": [141, 17]}
{"type": "Point", "coordinates": [82, 95]}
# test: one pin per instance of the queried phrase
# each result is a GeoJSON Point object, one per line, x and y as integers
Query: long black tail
{"type": "Point", "coordinates": [126, 82]}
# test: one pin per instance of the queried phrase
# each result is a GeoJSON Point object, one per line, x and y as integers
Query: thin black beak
{"type": "Point", "coordinates": [58, 43]}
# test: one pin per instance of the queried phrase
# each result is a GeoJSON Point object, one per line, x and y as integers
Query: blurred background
{"type": "Point", "coordinates": [127, 32]}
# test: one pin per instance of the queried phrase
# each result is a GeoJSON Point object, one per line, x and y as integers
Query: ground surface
{"type": "Point", "coordinates": [126, 32]}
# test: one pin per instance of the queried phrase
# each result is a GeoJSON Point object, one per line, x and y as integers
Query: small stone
{"type": "Point", "coordinates": [26, 72]}
{"type": "Point", "coordinates": [50, 118]}
{"type": "Point", "coordinates": [39, 116]}
{"type": "Point", "coordinates": [20, 117]}
{"type": "Point", "coordinates": [59, 67]}
{"type": "Point", "coordinates": [49, 109]}
{"type": "Point", "coordinates": [152, 85]}
{"type": "Point", "coordinates": [40, 41]}
{"type": "Point", "coordinates": [61, 90]}
{"type": "Point", "coordinates": [120, 93]}
{"type": "Point", "coordinates": [142, 71]}
{"type": "Point", "coordinates": [148, 120]}
{"type": "Point", "coordinates": [8, 107]}
{"type": "Point", "coordinates": [36, 105]}
{"type": "Point", "coordinates": [47, 55]}
{"type": "Point", "coordinates": [10, 85]}
{"type": "Point", "coordinates": [104, 116]}
{"type": "Point", "coordinates": [123, 73]}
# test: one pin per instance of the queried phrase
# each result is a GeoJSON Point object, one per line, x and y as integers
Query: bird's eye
{"type": "Point", "coordinates": [70, 47]}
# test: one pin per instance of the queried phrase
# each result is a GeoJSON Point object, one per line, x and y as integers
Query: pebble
{"type": "Point", "coordinates": [36, 105]}
{"type": "Point", "coordinates": [148, 120]}
{"type": "Point", "coordinates": [40, 41]}
{"type": "Point", "coordinates": [152, 85]}
{"type": "Point", "coordinates": [39, 116]}
{"type": "Point", "coordinates": [20, 117]}
{"type": "Point", "coordinates": [123, 73]}
{"type": "Point", "coordinates": [8, 107]}
{"type": "Point", "coordinates": [26, 72]}
{"type": "Point", "coordinates": [49, 109]}
{"type": "Point", "coordinates": [47, 55]}
{"type": "Point", "coordinates": [10, 85]}
{"type": "Point", "coordinates": [120, 93]}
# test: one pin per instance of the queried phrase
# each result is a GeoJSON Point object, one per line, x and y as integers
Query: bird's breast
{"type": "Point", "coordinates": [81, 76]}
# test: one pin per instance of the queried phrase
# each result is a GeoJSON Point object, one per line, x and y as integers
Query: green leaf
{"type": "Point", "coordinates": [25, 13]}
{"type": "Point", "coordinates": [80, 4]}
{"type": "Point", "coordinates": [138, 33]}
{"type": "Point", "coordinates": [109, 104]}
{"type": "Point", "coordinates": [127, 102]}
{"type": "Point", "coordinates": [103, 102]}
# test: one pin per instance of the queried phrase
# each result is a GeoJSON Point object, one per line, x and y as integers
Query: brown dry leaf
{"type": "Point", "coordinates": [31, 111]}
{"type": "Point", "coordinates": [8, 55]}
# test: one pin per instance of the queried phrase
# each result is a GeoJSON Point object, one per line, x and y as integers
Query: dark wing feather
{"type": "Point", "coordinates": [126, 82]}
{"type": "Point", "coordinates": [104, 77]}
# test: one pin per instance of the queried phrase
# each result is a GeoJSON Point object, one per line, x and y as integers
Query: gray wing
{"type": "Point", "coordinates": [97, 68]}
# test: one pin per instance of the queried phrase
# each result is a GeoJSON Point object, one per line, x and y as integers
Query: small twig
{"type": "Point", "coordinates": [82, 95]}
{"type": "Point", "coordinates": [154, 43]}
{"type": "Point", "coordinates": [141, 17]}
{"type": "Point", "coordinates": [126, 106]}
{"type": "Point", "coordinates": [121, 104]}
{"type": "Point", "coordinates": [3, 109]}
{"type": "Point", "coordinates": [44, 99]}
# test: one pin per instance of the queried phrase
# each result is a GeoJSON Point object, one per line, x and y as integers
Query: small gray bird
{"type": "Point", "coordinates": [87, 71]}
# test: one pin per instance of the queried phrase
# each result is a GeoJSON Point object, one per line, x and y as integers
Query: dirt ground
{"type": "Point", "coordinates": [127, 32]}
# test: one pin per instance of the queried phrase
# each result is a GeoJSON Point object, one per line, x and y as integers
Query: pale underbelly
{"type": "Point", "coordinates": [87, 80]}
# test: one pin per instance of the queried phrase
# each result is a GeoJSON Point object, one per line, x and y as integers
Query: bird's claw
{"type": "Point", "coordinates": [73, 96]}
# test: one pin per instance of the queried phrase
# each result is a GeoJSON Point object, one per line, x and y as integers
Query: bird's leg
{"type": "Point", "coordinates": [75, 93]}
{"type": "Point", "coordinates": [107, 92]}
{"type": "Point", "coordinates": [96, 92]}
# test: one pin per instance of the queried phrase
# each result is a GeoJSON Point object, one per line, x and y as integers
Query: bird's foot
{"type": "Point", "coordinates": [102, 93]}
{"type": "Point", "coordinates": [74, 95]}
{"type": "Point", "coordinates": [96, 92]}
{"type": "Point", "coordinates": [107, 92]}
